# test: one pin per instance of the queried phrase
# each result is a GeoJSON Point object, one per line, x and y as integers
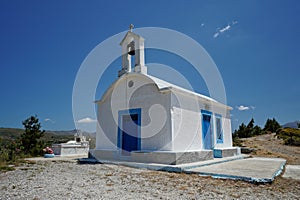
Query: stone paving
{"type": "Point", "coordinates": [255, 169]}
{"type": "Point", "coordinates": [258, 169]}
{"type": "Point", "coordinates": [292, 171]}
{"type": "Point", "coordinates": [250, 169]}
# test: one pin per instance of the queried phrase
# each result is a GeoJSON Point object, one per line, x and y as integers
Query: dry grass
{"type": "Point", "coordinates": [269, 146]}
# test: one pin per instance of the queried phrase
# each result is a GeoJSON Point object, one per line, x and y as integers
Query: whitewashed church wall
{"type": "Point", "coordinates": [186, 130]}
{"type": "Point", "coordinates": [187, 134]}
{"type": "Point", "coordinates": [155, 125]}
{"type": "Point", "coordinates": [155, 113]}
{"type": "Point", "coordinates": [106, 135]}
{"type": "Point", "coordinates": [188, 122]}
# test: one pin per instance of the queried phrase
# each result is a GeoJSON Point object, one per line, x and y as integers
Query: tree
{"type": "Point", "coordinates": [241, 132]}
{"type": "Point", "coordinates": [272, 125]}
{"type": "Point", "coordinates": [298, 125]}
{"type": "Point", "coordinates": [247, 131]}
{"type": "Point", "coordinates": [30, 140]}
{"type": "Point", "coordinates": [250, 124]}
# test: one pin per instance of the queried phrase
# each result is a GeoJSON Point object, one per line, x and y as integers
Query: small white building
{"type": "Point", "coordinates": [145, 119]}
{"type": "Point", "coordinates": [77, 147]}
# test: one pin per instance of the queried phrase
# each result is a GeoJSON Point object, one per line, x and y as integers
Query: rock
{"type": "Point", "coordinates": [247, 150]}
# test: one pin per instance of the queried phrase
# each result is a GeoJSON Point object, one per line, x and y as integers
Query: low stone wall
{"type": "Point", "coordinates": [74, 149]}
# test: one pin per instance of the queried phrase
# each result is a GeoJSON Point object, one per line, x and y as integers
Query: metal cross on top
{"type": "Point", "coordinates": [131, 27]}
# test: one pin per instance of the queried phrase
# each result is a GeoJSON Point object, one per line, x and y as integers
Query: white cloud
{"type": "Point", "coordinates": [86, 120]}
{"type": "Point", "coordinates": [242, 108]}
{"type": "Point", "coordinates": [49, 120]}
{"type": "Point", "coordinates": [202, 25]}
{"type": "Point", "coordinates": [224, 29]}
{"type": "Point", "coordinates": [216, 35]}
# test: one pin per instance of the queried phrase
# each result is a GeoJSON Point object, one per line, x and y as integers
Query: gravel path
{"type": "Point", "coordinates": [65, 179]}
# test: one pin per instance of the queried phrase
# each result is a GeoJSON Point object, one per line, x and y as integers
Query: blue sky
{"type": "Point", "coordinates": [255, 45]}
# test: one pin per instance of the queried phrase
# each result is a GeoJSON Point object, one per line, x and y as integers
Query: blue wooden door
{"type": "Point", "coordinates": [129, 133]}
{"type": "Point", "coordinates": [206, 131]}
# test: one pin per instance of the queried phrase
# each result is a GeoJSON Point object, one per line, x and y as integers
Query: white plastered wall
{"type": "Point", "coordinates": [155, 106]}
{"type": "Point", "coordinates": [187, 122]}
{"type": "Point", "coordinates": [106, 136]}
{"type": "Point", "coordinates": [226, 125]}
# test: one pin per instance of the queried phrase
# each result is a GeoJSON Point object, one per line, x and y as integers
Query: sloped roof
{"type": "Point", "coordinates": [163, 85]}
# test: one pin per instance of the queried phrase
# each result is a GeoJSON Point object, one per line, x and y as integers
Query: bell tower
{"type": "Point", "coordinates": [133, 56]}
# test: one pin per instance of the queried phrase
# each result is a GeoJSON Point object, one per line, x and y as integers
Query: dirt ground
{"type": "Point", "coordinates": [269, 146]}
{"type": "Point", "coordinates": [66, 179]}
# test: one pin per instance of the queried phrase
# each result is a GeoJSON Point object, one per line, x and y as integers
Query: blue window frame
{"type": "Point", "coordinates": [219, 128]}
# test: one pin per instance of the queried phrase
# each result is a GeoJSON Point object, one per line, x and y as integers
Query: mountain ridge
{"type": "Point", "coordinates": [293, 124]}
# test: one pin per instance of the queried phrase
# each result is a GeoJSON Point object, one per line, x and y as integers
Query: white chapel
{"type": "Point", "coordinates": [144, 119]}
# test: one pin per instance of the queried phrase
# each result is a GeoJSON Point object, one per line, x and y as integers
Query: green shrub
{"type": "Point", "coordinates": [291, 136]}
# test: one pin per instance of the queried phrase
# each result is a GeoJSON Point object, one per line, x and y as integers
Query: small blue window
{"type": "Point", "coordinates": [219, 129]}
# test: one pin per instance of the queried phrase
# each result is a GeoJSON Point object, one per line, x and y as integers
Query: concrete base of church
{"type": "Point", "coordinates": [227, 152]}
{"type": "Point", "coordinates": [159, 157]}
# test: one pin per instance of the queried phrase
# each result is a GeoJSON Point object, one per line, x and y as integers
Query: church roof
{"type": "Point", "coordinates": [164, 86]}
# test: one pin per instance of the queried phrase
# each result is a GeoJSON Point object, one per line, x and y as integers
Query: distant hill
{"type": "Point", "coordinates": [50, 137]}
{"type": "Point", "coordinates": [15, 132]}
{"type": "Point", "coordinates": [291, 124]}
{"type": "Point", "coordinates": [11, 133]}
{"type": "Point", "coordinates": [71, 132]}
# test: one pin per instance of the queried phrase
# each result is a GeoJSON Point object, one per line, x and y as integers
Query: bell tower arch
{"type": "Point", "coordinates": [132, 50]}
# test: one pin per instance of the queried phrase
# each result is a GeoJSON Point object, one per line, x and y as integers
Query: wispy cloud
{"type": "Point", "coordinates": [216, 35]}
{"type": "Point", "coordinates": [224, 29]}
{"type": "Point", "coordinates": [243, 108]}
{"type": "Point", "coordinates": [49, 120]}
{"type": "Point", "coordinates": [86, 120]}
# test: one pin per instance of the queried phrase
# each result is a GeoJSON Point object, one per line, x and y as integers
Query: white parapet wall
{"type": "Point", "coordinates": [65, 149]}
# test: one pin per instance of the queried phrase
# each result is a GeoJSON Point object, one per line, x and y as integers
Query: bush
{"type": "Point", "coordinates": [291, 136]}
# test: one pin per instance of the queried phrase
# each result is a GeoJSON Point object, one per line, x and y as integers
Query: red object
{"type": "Point", "coordinates": [49, 150]}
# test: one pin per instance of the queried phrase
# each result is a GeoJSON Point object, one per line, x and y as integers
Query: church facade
{"type": "Point", "coordinates": [142, 118]}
